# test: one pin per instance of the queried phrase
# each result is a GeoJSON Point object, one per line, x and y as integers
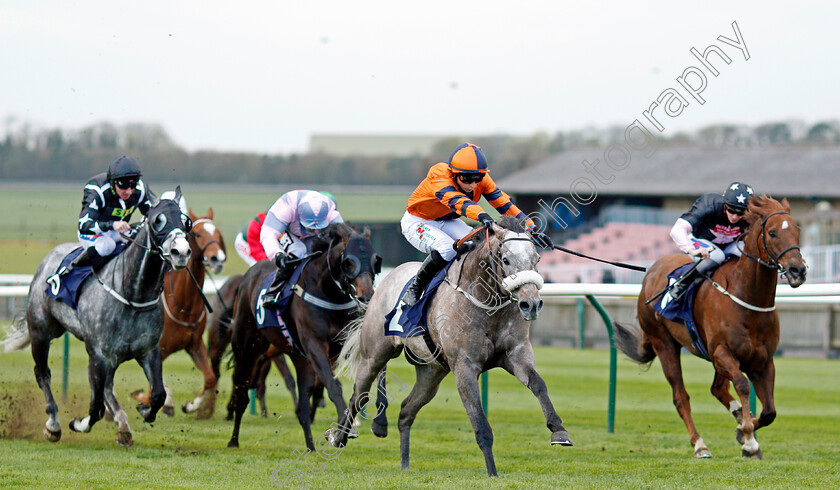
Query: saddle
{"type": "Point", "coordinates": [66, 288]}
{"type": "Point", "coordinates": [682, 311]}
{"type": "Point", "coordinates": [271, 316]}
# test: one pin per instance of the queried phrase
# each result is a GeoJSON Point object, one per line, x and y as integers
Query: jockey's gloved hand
{"type": "Point", "coordinates": [542, 239]}
{"type": "Point", "coordinates": [486, 220]}
{"type": "Point", "coordinates": [282, 261]}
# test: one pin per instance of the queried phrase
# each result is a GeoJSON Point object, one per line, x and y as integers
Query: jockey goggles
{"type": "Point", "coordinates": [734, 210]}
{"type": "Point", "coordinates": [470, 178]}
{"type": "Point", "coordinates": [126, 183]}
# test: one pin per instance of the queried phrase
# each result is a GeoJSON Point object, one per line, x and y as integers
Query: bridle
{"type": "Point", "coordinates": [774, 259]}
{"type": "Point", "coordinates": [344, 280]}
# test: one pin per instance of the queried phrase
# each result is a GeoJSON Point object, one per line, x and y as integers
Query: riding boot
{"type": "Point", "coordinates": [695, 274]}
{"type": "Point", "coordinates": [433, 264]}
{"type": "Point", "coordinates": [87, 257]}
{"type": "Point", "coordinates": [283, 275]}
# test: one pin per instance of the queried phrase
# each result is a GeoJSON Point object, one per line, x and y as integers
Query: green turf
{"type": "Point", "coordinates": [649, 448]}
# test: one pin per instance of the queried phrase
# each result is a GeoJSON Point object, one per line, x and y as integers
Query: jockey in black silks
{"type": "Point", "coordinates": [108, 202]}
{"type": "Point", "coordinates": [709, 232]}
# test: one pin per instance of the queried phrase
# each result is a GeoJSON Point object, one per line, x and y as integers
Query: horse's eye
{"type": "Point", "coordinates": [772, 234]}
{"type": "Point", "coordinates": [505, 261]}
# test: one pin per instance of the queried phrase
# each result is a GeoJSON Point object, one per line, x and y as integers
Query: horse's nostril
{"type": "Point", "coordinates": [523, 305]}
{"type": "Point", "coordinates": [540, 305]}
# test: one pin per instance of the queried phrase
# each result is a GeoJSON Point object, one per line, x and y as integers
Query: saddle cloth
{"type": "Point", "coordinates": [271, 316]}
{"type": "Point", "coordinates": [682, 311]}
{"type": "Point", "coordinates": [66, 288]}
{"type": "Point", "coordinates": [410, 321]}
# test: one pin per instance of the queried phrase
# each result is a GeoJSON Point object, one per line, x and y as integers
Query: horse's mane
{"type": "Point", "coordinates": [333, 230]}
{"type": "Point", "coordinates": [760, 206]}
{"type": "Point", "coordinates": [506, 222]}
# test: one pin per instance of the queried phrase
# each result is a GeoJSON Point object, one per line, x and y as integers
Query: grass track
{"type": "Point", "coordinates": [649, 449]}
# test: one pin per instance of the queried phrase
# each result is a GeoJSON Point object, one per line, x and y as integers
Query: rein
{"type": "Point", "coordinates": [151, 248]}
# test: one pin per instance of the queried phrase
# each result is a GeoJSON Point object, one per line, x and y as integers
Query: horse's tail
{"type": "Point", "coordinates": [351, 352]}
{"type": "Point", "coordinates": [632, 342]}
{"type": "Point", "coordinates": [17, 336]}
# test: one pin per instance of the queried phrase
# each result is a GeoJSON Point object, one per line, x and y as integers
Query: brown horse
{"type": "Point", "coordinates": [736, 320]}
{"type": "Point", "coordinates": [183, 304]}
{"type": "Point", "coordinates": [330, 292]}
{"type": "Point", "coordinates": [218, 339]}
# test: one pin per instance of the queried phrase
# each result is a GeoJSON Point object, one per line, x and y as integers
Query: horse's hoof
{"type": "Point", "coordinates": [52, 436]}
{"type": "Point", "coordinates": [757, 454]}
{"type": "Point", "coordinates": [229, 416]}
{"type": "Point", "coordinates": [702, 452]}
{"type": "Point", "coordinates": [124, 439]}
{"type": "Point", "coordinates": [378, 429]}
{"type": "Point", "coordinates": [73, 423]}
{"type": "Point", "coordinates": [233, 443]}
{"type": "Point", "coordinates": [739, 436]}
{"type": "Point", "coordinates": [204, 414]}
{"type": "Point", "coordinates": [562, 438]}
{"type": "Point", "coordinates": [184, 408]}
{"type": "Point", "coordinates": [168, 411]}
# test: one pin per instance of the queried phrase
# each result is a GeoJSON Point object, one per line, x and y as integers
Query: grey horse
{"type": "Point", "coordinates": [118, 317]}
{"type": "Point", "coordinates": [478, 320]}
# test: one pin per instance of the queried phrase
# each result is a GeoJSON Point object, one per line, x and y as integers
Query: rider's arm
{"type": "Point", "coordinates": [92, 204]}
{"type": "Point", "coordinates": [502, 202]}
{"type": "Point", "coordinates": [270, 233]}
{"type": "Point", "coordinates": [681, 233]}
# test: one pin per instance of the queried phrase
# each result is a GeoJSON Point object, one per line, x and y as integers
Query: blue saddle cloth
{"type": "Point", "coordinates": [411, 321]}
{"type": "Point", "coordinates": [271, 316]}
{"type": "Point", "coordinates": [682, 311]}
{"type": "Point", "coordinates": [66, 288]}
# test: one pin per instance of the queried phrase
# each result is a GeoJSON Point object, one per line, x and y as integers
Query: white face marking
{"type": "Point", "coordinates": [221, 256]}
{"type": "Point", "coordinates": [209, 228]}
{"type": "Point", "coordinates": [785, 225]}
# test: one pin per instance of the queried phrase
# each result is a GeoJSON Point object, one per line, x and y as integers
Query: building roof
{"type": "Point", "coordinates": [793, 172]}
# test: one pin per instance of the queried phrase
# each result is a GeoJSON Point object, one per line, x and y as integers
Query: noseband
{"type": "Point", "coordinates": [774, 259]}
{"type": "Point", "coordinates": [344, 281]}
{"type": "Point", "coordinates": [211, 242]}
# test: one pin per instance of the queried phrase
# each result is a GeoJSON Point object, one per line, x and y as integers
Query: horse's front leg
{"type": "Point", "coordinates": [466, 379]}
{"type": "Point", "coordinates": [321, 364]}
{"type": "Point", "coordinates": [198, 352]}
{"type": "Point", "coordinates": [520, 362]}
{"type": "Point", "coordinates": [726, 364]}
{"type": "Point", "coordinates": [152, 366]}
{"type": "Point", "coordinates": [720, 389]}
{"type": "Point", "coordinates": [428, 378]}
{"type": "Point", "coordinates": [763, 382]}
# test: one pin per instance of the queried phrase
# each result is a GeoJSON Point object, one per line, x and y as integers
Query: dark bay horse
{"type": "Point", "coordinates": [183, 305]}
{"type": "Point", "coordinates": [119, 317]}
{"type": "Point", "coordinates": [739, 327]}
{"type": "Point", "coordinates": [332, 288]}
{"type": "Point", "coordinates": [218, 340]}
{"type": "Point", "coordinates": [478, 319]}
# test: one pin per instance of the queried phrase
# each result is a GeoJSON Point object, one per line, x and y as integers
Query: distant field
{"type": "Point", "coordinates": [35, 218]}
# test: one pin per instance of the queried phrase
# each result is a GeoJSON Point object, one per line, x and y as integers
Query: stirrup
{"type": "Point", "coordinates": [411, 297]}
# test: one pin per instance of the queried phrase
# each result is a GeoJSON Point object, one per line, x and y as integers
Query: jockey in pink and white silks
{"type": "Point", "coordinates": [709, 231]}
{"type": "Point", "coordinates": [290, 225]}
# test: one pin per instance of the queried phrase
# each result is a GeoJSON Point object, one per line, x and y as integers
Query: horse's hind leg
{"type": "Point", "coordinates": [425, 388]}
{"type": "Point", "coordinates": [97, 375]}
{"type": "Point", "coordinates": [669, 358]}
{"type": "Point", "coordinates": [379, 426]}
{"type": "Point", "coordinates": [288, 379]}
{"type": "Point", "coordinates": [521, 363]}
{"type": "Point", "coordinates": [258, 383]}
{"type": "Point", "coordinates": [124, 437]}
{"type": "Point", "coordinates": [40, 353]}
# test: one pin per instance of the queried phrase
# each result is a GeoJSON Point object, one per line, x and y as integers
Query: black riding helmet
{"type": "Point", "coordinates": [123, 167]}
{"type": "Point", "coordinates": [737, 195]}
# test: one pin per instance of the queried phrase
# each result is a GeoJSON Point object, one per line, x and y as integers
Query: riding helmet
{"type": "Point", "coordinates": [468, 159]}
{"type": "Point", "coordinates": [737, 195]}
{"type": "Point", "coordinates": [123, 167]}
{"type": "Point", "coordinates": [314, 211]}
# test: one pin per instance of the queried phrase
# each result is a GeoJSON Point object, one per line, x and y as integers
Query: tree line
{"type": "Point", "coordinates": [54, 154]}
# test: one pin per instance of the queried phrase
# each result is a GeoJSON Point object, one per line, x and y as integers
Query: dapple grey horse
{"type": "Point", "coordinates": [119, 317]}
{"type": "Point", "coordinates": [478, 320]}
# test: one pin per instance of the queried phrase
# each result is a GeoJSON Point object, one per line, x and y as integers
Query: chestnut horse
{"type": "Point", "coordinates": [333, 287]}
{"type": "Point", "coordinates": [183, 304]}
{"type": "Point", "coordinates": [736, 319]}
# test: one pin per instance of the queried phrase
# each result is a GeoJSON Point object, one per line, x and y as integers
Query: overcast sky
{"type": "Point", "coordinates": [264, 75]}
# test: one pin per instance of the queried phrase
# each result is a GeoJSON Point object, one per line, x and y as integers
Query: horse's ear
{"type": "Point", "coordinates": [177, 194]}
{"type": "Point", "coordinates": [209, 213]}
{"type": "Point", "coordinates": [366, 232]}
{"type": "Point", "coordinates": [498, 230]}
{"type": "Point", "coordinates": [785, 204]}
